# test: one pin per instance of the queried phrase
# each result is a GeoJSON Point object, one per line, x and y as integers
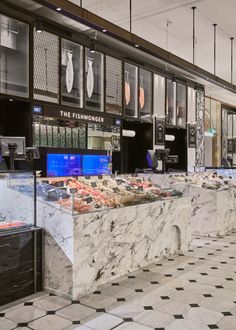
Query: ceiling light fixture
{"type": "Point", "coordinates": [104, 30]}
{"type": "Point", "coordinates": [136, 45]}
{"type": "Point", "coordinates": [58, 8]}
{"type": "Point", "coordinates": [38, 26]}
{"type": "Point", "coordinates": [92, 46]}
{"type": "Point", "coordinates": [11, 100]}
{"type": "Point", "coordinates": [173, 80]}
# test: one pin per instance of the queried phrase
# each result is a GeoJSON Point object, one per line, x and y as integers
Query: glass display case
{"type": "Point", "coordinates": [181, 106]}
{"type": "Point", "coordinates": [17, 205]}
{"type": "Point", "coordinates": [94, 80]}
{"type": "Point", "coordinates": [170, 102]}
{"type": "Point", "coordinates": [131, 90]}
{"type": "Point", "coordinates": [51, 132]}
{"type": "Point", "coordinates": [46, 66]}
{"type": "Point", "coordinates": [145, 94]}
{"type": "Point", "coordinates": [113, 85]}
{"type": "Point", "coordinates": [102, 137]}
{"type": "Point", "coordinates": [90, 193]}
{"type": "Point", "coordinates": [14, 57]}
{"type": "Point", "coordinates": [72, 73]}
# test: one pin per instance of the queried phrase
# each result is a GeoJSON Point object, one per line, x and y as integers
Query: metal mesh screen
{"type": "Point", "coordinates": [46, 67]}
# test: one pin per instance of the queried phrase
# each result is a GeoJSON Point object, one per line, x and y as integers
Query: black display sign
{"type": "Point", "coordinates": [159, 131]}
{"type": "Point", "coordinates": [73, 190]}
{"type": "Point", "coordinates": [192, 132]}
{"type": "Point", "coordinates": [230, 145]}
{"type": "Point", "coordinates": [93, 184]}
{"type": "Point", "coordinates": [88, 200]}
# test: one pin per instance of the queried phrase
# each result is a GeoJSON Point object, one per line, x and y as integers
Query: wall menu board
{"type": "Point", "coordinates": [159, 131]}
{"type": "Point", "coordinates": [192, 132]}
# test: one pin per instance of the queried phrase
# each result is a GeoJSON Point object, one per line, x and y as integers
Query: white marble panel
{"type": "Point", "coordinates": [110, 244]}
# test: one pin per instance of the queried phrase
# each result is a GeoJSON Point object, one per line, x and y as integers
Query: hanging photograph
{"type": "Point", "coordinates": [181, 105]}
{"type": "Point", "coordinates": [145, 94]}
{"type": "Point", "coordinates": [131, 90]}
{"type": "Point", "coordinates": [113, 85]}
{"type": "Point", "coordinates": [72, 73]}
{"type": "Point", "coordinates": [46, 66]}
{"type": "Point", "coordinates": [170, 102]}
{"type": "Point", "coordinates": [94, 80]}
{"type": "Point", "coordinates": [14, 57]}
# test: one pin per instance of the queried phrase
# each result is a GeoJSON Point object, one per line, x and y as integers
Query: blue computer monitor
{"type": "Point", "coordinates": [96, 165]}
{"type": "Point", "coordinates": [64, 165]}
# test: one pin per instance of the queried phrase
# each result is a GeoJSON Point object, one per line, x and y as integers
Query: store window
{"type": "Point", "coordinates": [46, 67]}
{"type": "Point", "coordinates": [72, 74]}
{"type": "Point", "coordinates": [94, 80]}
{"type": "Point", "coordinates": [145, 94]}
{"type": "Point", "coordinates": [103, 137]}
{"type": "Point", "coordinates": [113, 85]}
{"type": "Point", "coordinates": [50, 132]}
{"type": "Point", "coordinates": [170, 102]}
{"type": "Point", "coordinates": [14, 57]}
{"type": "Point", "coordinates": [181, 106]}
{"type": "Point", "coordinates": [131, 90]}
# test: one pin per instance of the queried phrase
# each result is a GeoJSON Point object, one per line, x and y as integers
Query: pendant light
{"type": "Point", "coordinates": [38, 26]}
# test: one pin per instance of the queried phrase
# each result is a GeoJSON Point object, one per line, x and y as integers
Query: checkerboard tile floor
{"type": "Point", "coordinates": [191, 291]}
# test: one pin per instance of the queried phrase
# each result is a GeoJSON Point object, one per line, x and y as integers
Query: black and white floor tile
{"type": "Point", "coordinates": [194, 291]}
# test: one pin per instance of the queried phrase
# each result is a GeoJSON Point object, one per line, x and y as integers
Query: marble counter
{"type": "Point", "coordinates": [87, 250]}
{"type": "Point", "coordinates": [213, 212]}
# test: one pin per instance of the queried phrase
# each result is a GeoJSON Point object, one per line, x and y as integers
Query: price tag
{"type": "Point", "coordinates": [93, 184]}
{"type": "Point", "coordinates": [119, 182]}
{"type": "Point", "coordinates": [116, 190]}
{"type": "Point", "coordinates": [105, 182]}
{"type": "Point", "coordinates": [128, 188]}
{"type": "Point", "coordinates": [87, 177]}
{"type": "Point", "coordinates": [59, 184]}
{"type": "Point", "coordinates": [140, 188]}
{"type": "Point", "coordinates": [73, 190]}
{"type": "Point", "coordinates": [100, 176]}
{"type": "Point", "coordinates": [88, 200]}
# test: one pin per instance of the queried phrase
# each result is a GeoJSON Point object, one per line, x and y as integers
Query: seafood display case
{"type": "Point", "coordinates": [20, 239]}
{"type": "Point", "coordinates": [17, 204]}
{"type": "Point", "coordinates": [213, 202]}
{"type": "Point", "coordinates": [92, 193]}
{"type": "Point", "coordinates": [99, 228]}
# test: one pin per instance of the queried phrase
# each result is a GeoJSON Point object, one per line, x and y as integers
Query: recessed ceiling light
{"type": "Point", "coordinates": [136, 45]}
{"type": "Point", "coordinates": [104, 30]}
{"type": "Point", "coordinates": [58, 9]}
{"type": "Point", "coordinates": [11, 100]}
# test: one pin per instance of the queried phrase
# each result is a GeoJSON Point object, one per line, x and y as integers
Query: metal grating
{"type": "Point", "coordinates": [46, 67]}
{"type": "Point", "coordinates": [159, 96]}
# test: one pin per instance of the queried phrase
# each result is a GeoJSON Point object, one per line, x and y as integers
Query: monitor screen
{"type": "Point", "coordinates": [64, 165]}
{"type": "Point", "coordinates": [96, 164]}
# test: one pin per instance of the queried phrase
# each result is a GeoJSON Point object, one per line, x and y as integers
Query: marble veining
{"type": "Point", "coordinates": [200, 109]}
{"type": "Point", "coordinates": [87, 250]}
{"type": "Point", "coordinates": [113, 243]}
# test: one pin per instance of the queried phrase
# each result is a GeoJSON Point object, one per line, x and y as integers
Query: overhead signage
{"type": "Point", "coordinates": [79, 116]}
